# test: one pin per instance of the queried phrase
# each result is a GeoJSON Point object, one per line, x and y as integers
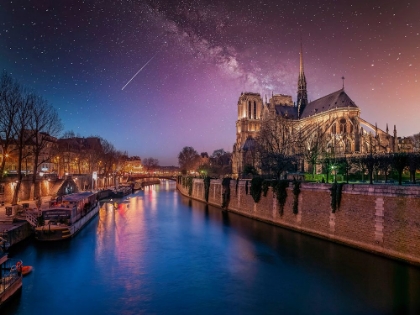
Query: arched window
{"type": "Point", "coordinates": [333, 129]}
{"type": "Point", "coordinates": [255, 110]}
{"type": "Point", "coordinates": [348, 146]}
{"type": "Point", "coordinates": [249, 109]}
{"type": "Point", "coordinates": [343, 126]}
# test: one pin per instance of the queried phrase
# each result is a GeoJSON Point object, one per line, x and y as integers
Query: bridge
{"type": "Point", "coordinates": [135, 177]}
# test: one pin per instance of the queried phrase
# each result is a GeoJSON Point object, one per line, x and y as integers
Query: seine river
{"type": "Point", "coordinates": [160, 253]}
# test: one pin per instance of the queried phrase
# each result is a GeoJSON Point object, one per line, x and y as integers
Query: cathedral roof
{"type": "Point", "coordinates": [287, 111]}
{"type": "Point", "coordinates": [338, 99]}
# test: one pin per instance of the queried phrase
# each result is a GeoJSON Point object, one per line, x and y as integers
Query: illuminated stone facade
{"type": "Point", "coordinates": [335, 117]}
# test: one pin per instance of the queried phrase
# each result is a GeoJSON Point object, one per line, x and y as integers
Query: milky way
{"type": "Point", "coordinates": [78, 55]}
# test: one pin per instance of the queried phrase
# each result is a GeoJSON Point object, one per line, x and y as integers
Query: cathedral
{"type": "Point", "coordinates": [332, 122]}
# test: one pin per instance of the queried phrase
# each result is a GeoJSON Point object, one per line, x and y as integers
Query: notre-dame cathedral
{"type": "Point", "coordinates": [335, 117]}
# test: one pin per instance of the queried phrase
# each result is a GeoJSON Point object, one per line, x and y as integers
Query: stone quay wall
{"type": "Point", "coordinates": [382, 219]}
{"type": "Point", "coordinates": [44, 187]}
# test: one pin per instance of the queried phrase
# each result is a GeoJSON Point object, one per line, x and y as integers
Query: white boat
{"type": "Point", "coordinates": [65, 217]}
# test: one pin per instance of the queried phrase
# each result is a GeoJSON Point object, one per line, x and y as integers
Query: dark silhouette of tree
{"type": "Point", "coordinates": [249, 170]}
{"type": "Point", "coordinates": [399, 163]}
{"type": "Point", "coordinates": [385, 165]}
{"type": "Point", "coordinates": [344, 166]}
{"type": "Point", "coordinates": [220, 162]}
{"type": "Point", "coordinates": [276, 146]}
{"type": "Point", "coordinates": [188, 159]}
{"type": "Point", "coordinates": [45, 125]}
{"type": "Point", "coordinates": [150, 164]}
{"type": "Point", "coordinates": [370, 161]}
{"type": "Point", "coordinates": [413, 165]}
{"type": "Point", "coordinates": [358, 165]}
{"type": "Point", "coordinates": [10, 100]}
{"type": "Point", "coordinates": [26, 103]}
{"type": "Point", "coordinates": [314, 146]}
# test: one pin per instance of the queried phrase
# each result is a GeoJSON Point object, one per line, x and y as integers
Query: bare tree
{"type": "Point", "coordinates": [385, 165]}
{"type": "Point", "coordinates": [108, 156]}
{"type": "Point", "coordinates": [150, 164]}
{"type": "Point", "coordinates": [413, 165]}
{"type": "Point", "coordinates": [415, 139]}
{"type": "Point", "coordinates": [399, 162]}
{"type": "Point", "coordinates": [220, 162]}
{"type": "Point", "coordinates": [45, 125]}
{"type": "Point", "coordinates": [187, 159]}
{"type": "Point", "coordinates": [314, 146]}
{"type": "Point", "coordinates": [69, 134]}
{"type": "Point", "coordinates": [26, 104]}
{"type": "Point", "coordinates": [276, 146]}
{"type": "Point", "coordinates": [10, 100]}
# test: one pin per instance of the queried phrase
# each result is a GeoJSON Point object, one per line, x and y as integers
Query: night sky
{"type": "Point", "coordinates": [198, 56]}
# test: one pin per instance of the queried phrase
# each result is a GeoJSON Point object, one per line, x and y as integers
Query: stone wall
{"type": "Point", "coordinates": [46, 187]}
{"type": "Point", "coordinates": [383, 219]}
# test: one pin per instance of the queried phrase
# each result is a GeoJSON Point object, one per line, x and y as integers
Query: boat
{"type": "Point", "coordinates": [10, 279]}
{"type": "Point", "coordinates": [26, 270]}
{"type": "Point", "coordinates": [66, 216]}
{"type": "Point", "coordinates": [122, 191]}
{"type": "Point", "coordinates": [21, 269]}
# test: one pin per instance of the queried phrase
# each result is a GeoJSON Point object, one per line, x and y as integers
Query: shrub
{"type": "Point", "coordinates": [206, 188]}
{"type": "Point", "coordinates": [265, 186]}
{"type": "Point", "coordinates": [296, 192]}
{"type": "Point", "coordinates": [281, 193]}
{"type": "Point", "coordinates": [226, 192]}
{"type": "Point", "coordinates": [335, 193]}
{"type": "Point", "coordinates": [256, 188]}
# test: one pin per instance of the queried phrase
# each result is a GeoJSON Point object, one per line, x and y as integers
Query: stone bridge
{"type": "Point", "coordinates": [135, 177]}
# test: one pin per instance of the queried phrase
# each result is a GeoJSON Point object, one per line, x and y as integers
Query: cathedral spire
{"type": "Point", "coordinates": [302, 94]}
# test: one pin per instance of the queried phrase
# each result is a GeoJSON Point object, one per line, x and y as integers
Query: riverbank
{"type": "Point", "coordinates": [382, 219]}
{"type": "Point", "coordinates": [14, 225]}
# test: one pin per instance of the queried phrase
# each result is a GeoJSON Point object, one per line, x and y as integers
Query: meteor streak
{"type": "Point", "coordinates": [138, 72]}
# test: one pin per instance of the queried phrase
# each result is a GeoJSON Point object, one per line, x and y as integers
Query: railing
{"type": "Point", "coordinates": [9, 275]}
{"type": "Point", "coordinates": [32, 218]}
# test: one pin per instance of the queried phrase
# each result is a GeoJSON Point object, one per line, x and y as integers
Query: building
{"type": "Point", "coordinates": [38, 148]}
{"type": "Point", "coordinates": [78, 155]}
{"type": "Point", "coordinates": [331, 124]}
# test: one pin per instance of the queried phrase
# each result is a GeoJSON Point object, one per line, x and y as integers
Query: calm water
{"type": "Point", "coordinates": [164, 254]}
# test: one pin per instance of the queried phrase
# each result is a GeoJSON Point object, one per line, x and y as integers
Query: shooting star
{"type": "Point", "coordinates": [138, 71]}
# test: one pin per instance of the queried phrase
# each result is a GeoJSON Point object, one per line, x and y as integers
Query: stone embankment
{"type": "Point", "coordinates": [383, 219]}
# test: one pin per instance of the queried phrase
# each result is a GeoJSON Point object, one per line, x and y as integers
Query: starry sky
{"type": "Point", "coordinates": [194, 58]}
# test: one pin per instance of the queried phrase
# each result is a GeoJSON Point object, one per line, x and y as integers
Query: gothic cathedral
{"type": "Point", "coordinates": [335, 118]}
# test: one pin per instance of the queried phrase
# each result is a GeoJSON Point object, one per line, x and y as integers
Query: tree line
{"type": "Point", "coordinates": [215, 165]}
{"type": "Point", "coordinates": [280, 149]}
{"type": "Point", "coordinates": [29, 129]}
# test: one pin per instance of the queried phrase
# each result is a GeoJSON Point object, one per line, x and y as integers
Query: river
{"type": "Point", "coordinates": [161, 253]}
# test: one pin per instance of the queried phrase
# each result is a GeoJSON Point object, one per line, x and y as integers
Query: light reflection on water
{"type": "Point", "coordinates": [161, 253]}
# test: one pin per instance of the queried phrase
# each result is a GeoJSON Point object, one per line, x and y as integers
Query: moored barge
{"type": "Point", "coordinates": [66, 216]}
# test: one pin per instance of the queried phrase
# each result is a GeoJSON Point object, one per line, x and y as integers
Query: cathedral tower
{"type": "Point", "coordinates": [302, 96]}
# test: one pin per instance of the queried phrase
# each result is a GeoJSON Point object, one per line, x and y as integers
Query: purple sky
{"type": "Point", "coordinates": [80, 54]}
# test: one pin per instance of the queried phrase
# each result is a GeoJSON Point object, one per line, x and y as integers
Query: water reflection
{"type": "Point", "coordinates": [377, 285]}
{"type": "Point", "coordinates": [156, 252]}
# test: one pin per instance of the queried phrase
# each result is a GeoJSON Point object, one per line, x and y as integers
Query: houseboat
{"type": "Point", "coordinates": [10, 279]}
{"type": "Point", "coordinates": [66, 216]}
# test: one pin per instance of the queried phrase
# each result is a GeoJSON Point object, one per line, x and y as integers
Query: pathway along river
{"type": "Point", "coordinates": [166, 254]}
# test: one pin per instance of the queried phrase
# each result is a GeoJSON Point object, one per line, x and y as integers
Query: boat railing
{"type": "Point", "coordinates": [32, 218]}
{"type": "Point", "coordinates": [8, 274]}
